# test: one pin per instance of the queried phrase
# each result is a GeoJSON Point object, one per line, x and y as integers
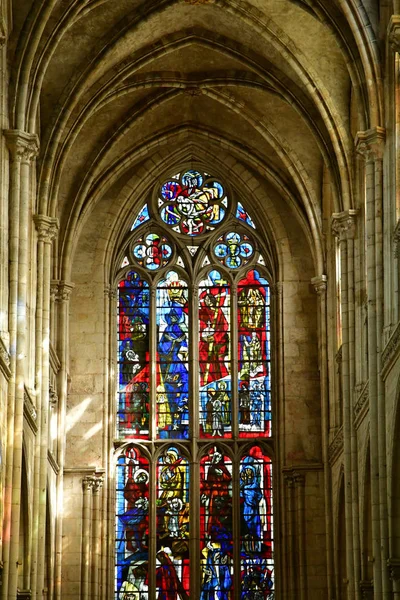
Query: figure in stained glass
{"type": "Point", "coordinates": [193, 206]}
{"type": "Point", "coordinates": [168, 584]}
{"type": "Point", "coordinates": [255, 528]}
{"type": "Point", "coordinates": [133, 319]}
{"type": "Point", "coordinates": [153, 251]}
{"type": "Point", "coordinates": [132, 525]}
{"type": "Point", "coordinates": [253, 352]}
{"type": "Point", "coordinates": [173, 377]}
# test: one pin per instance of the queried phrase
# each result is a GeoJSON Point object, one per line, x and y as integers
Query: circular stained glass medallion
{"type": "Point", "coordinates": [193, 203]}
{"type": "Point", "coordinates": [152, 251]}
{"type": "Point", "coordinates": [234, 250]}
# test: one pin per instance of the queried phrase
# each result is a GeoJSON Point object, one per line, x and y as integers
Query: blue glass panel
{"type": "Point", "coordinates": [172, 358]}
{"type": "Point", "coordinates": [142, 217]}
{"type": "Point", "coordinates": [243, 215]}
{"type": "Point", "coordinates": [256, 534]}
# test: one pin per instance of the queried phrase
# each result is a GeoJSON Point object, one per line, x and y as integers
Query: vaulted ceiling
{"type": "Point", "coordinates": [268, 92]}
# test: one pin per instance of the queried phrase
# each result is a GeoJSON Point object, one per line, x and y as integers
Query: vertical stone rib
{"type": "Point", "coordinates": [340, 224]}
{"type": "Point", "coordinates": [23, 148]}
{"type": "Point", "coordinates": [320, 285]}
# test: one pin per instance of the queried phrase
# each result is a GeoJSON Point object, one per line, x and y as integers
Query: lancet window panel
{"type": "Point", "coordinates": [194, 483]}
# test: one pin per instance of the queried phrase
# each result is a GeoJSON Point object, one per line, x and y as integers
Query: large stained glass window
{"type": "Point", "coordinates": [194, 514]}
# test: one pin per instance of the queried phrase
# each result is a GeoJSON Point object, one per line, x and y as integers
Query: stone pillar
{"type": "Point", "coordinates": [62, 297]}
{"type": "Point", "coordinates": [370, 144]}
{"type": "Point", "coordinates": [87, 484]}
{"type": "Point", "coordinates": [47, 229]}
{"type": "Point", "coordinates": [343, 226]}
{"type": "Point", "coordinates": [23, 148]}
{"type": "Point", "coordinates": [96, 537]}
{"type": "Point", "coordinates": [320, 285]}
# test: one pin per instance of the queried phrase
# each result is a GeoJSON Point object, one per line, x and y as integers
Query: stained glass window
{"type": "Point", "coordinates": [194, 505]}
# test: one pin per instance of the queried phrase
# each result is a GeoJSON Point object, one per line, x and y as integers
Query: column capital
{"type": "Point", "coordinates": [370, 144]}
{"type": "Point", "coordinates": [23, 146]}
{"type": "Point", "coordinates": [299, 479]}
{"type": "Point", "coordinates": [88, 483]}
{"type": "Point", "coordinates": [320, 284]}
{"type": "Point", "coordinates": [344, 224]}
{"type": "Point", "coordinates": [98, 484]}
{"type": "Point", "coordinates": [394, 568]}
{"type": "Point", "coordinates": [393, 33]}
{"type": "Point", "coordinates": [61, 290]}
{"type": "Point", "coordinates": [47, 228]}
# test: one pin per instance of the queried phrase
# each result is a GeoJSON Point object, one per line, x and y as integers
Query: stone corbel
{"type": "Point", "coordinates": [393, 33]}
{"type": "Point", "coordinates": [47, 228]}
{"type": "Point", "coordinates": [344, 224]}
{"type": "Point", "coordinates": [23, 146]}
{"type": "Point", "coordinates": [61, 290]}
{"type": "Point", "coordinates": [320, 284]}
{"type": "Point", "coordinates": [370, 144]}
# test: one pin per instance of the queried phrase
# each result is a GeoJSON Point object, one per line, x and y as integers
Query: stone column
{"type": "Point", "coordinates": [47, 229]}
{"type": "Point", "coordinates": [320, 285]}
{"type": "Point", "coordinates": [343, 225]}
{"type": "Point", "coordinates": [370, 144]}
{"type": "Point", "coordinates": [96, 537]}
{"type": "Point", "coordinates": [23, 148]}
{"type": "Point", "coordinates": [87, 484]}
{"type": "Point", "coordinates": [62, 297]}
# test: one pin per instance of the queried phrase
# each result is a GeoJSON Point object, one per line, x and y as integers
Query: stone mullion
{"type": "Point", "coordinates": [51, 227]}
{"type": "Point", "coordinates": [23, 148]}
{"type": "Point", "coordinates": [234, 362]}
{"type": "Point", "coordinates": [194, 489]}
{"type": "Point", "coordinates": [64, 290]}
{"type": "Point", "coordinates": [320, 284]}
{"type": "Point", "coordinates": [339, 229]}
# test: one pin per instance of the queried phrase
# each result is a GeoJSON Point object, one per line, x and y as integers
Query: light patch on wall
{"type": "Point", "coordinates": [92, 431]}
{"type": "Point", "coordinates": [76, 413]}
